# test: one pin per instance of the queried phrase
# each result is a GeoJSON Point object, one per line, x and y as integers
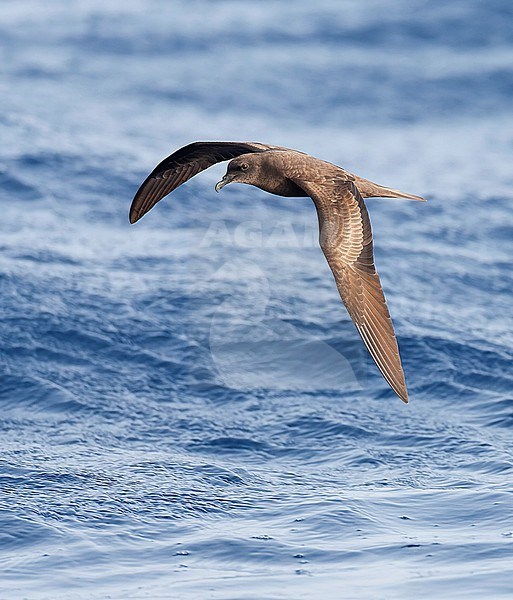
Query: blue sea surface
{"type": "Point", "coordinates": [186, 410]}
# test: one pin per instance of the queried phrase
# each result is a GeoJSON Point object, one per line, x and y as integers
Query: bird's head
{"type": "Point", "coordinates": [243, 169]}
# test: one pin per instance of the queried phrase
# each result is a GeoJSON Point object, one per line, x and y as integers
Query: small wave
{"type": "Point", "coordinates": [14, 188]}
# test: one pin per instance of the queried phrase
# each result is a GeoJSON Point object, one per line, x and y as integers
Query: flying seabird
{"type": "Point", "coordinates": [344, 224]}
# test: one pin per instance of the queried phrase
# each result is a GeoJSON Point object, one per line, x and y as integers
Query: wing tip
{"type": "Point", "coordinates": [134, 216]}
{"type": "Point", "coordinates": [399, 387]}
{"type": "Point", "coordinates": [404, 396]}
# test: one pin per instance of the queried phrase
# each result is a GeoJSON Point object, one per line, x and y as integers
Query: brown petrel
{"type": "Point", "coordinates": [345, 229]}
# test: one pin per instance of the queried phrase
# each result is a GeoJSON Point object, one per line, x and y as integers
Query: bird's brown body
{"type": "Point", "coordinates": [345, 229]}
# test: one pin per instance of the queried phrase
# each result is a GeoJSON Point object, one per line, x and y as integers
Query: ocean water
{"type": "Point", "coordinates": [186, 410]}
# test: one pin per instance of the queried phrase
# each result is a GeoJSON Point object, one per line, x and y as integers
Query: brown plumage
{"type": "Point", "coordinates": [345, 229]}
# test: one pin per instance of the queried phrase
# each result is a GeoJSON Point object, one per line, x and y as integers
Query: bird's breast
{"type": "Point", "coordinates": [282, 187]}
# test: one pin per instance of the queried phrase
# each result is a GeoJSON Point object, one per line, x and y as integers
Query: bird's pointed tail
{"type": "Point", "coordinates": [368, 189]}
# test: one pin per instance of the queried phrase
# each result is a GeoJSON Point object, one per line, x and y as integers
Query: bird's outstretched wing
{"type": "Point", "coordinates": [346, 240]}
{"type": "Point", "coordinates": [181, 166]}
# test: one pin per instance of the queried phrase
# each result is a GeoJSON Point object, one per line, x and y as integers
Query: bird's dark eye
{"type": "Point", "coordinates": [244, 167]}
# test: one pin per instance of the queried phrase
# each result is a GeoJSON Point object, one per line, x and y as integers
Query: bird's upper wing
{"type": "Point", "coordinates": [346, 240]}
{"type": "Point", "coordinates": [181, 166]}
